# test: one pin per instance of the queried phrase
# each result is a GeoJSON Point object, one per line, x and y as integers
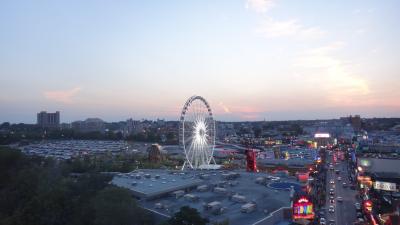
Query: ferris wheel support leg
{"type": "Point", "coordinates": [183, 166]}
{"type": "Point", "coordinates": [212, 159]}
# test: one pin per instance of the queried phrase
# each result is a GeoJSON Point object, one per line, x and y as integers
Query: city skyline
{"type": "Point", "coordinates": [252, 60]}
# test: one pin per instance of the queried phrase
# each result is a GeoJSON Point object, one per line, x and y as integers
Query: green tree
{"type": "Point", "coordinates": [115, 206]}
{"type": "Point", "coordinates": [187, 216]}
{"type": "Point", "coordinates": [223, 222]}
{"type": "Point", "coordinates": [39, 191]}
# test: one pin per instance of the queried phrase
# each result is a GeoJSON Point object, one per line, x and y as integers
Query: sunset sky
{"type": "Point", "coordinates": [252, 60]}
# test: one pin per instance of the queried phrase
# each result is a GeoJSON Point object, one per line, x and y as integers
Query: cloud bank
{"type": "Point", "coordinates": [62, 96]}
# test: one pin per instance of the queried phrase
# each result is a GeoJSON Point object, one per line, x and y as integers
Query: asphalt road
{"type": "Point", "coordinates": [345, 211]}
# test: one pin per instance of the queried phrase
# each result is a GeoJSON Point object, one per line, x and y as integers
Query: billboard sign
{"type": "Point", "coordinates": [386, 186]}
{"type": "Point", "coordinates": [303, 177]}
{"type": "Point", "coordinates": [322, 135]}
{"type": "Point", "coordinates": [303, 209]}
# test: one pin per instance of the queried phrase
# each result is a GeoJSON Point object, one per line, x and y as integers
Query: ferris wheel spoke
{"type": "Point", "coordinates": [188, 139]}
{"type": "Point", "coordinates": [189, 155]}
{"type": "Point", "coordinates": [191, 146]}
{"type": "Point", "coordinates": [205, 154]}
{"type": "Point", "coordinates": [193, 155]}
{"type": "Point", "coordinates": [199, 115]}
{"type": "Point", "coordinates": [195, 112]}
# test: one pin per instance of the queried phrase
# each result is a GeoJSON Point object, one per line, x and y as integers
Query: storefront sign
{"type": "Point", "coordinates": [322, 135]}
{"type": "Point", "coordinates": [386, 186]}
{"type": "Point", "coordinates": [303, 209]}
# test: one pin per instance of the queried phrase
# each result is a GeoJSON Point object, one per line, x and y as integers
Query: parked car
{"type": "Point", "coordinates": [331, 209]}
{"type": "Point", "coordinates": [339, 199]}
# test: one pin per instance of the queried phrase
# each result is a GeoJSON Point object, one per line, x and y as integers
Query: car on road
{"type": "Point", "coordinates": [331, 209]}
{"type": "Point", "coordinates": [339, 178]}
{"type": "Point", "coordinates": [331, 222]}
{"type": "Point", "coordinates": [332, 181]}
{"type": "Point", "coordinates": [344, 184]}
{"type": "Point", "coordinates": [322, 221]}
{"type": "Point", "coordinates": [339, 199]}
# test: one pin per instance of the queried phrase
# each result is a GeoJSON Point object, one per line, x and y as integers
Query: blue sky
{"type": "Point", "coordinates": [251, 60]}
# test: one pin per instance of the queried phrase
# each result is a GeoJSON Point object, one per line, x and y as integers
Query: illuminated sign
{"type": "Point", "coordinates": [365, 180]}
{"type": "Point", "coordinates": [322, 135]}
{"type": "Point", "coordinates": [386, 186]}
{"type": "Point", "coordinates": [368, 206]}
{"type": "Point", "coordinates": [302, 200]}
{"type": "Point", "coordinates": [303, 209]}
{"type": "Point", "coordinates": [365, 162]}
{"type": "Point", "coordinates": [303, 177]}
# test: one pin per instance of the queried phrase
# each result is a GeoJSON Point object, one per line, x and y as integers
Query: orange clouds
{"type": "Point", "coordinates": [335, 77]}
{"type": "Point", "coordinates": [63, 96]}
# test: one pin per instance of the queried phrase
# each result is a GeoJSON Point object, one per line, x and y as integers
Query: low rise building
{"type": "Point", "coordinates": [89, 125]}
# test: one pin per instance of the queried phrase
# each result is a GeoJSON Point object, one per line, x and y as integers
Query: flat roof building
{"type": "Point", "coordinates": [217, 195]}
{"type": "Point", "coordinates": [48, 120]}
{"type": "Point", "coordinates": [151, 184]}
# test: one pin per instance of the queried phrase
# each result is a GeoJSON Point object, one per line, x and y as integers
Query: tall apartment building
{"type": "Point", "coordinates": [48, 120]}
{"type": "Point", "coordinates": [356, 122]}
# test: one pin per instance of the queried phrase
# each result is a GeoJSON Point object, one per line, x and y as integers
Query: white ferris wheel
{"type": "Point", "coordinates": [197, 133]}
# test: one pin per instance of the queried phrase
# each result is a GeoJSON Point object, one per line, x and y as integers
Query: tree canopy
{"type": "Point", "coordinates": [40, 191]}
{"type": "Point", "coordinates": [187, 216]}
